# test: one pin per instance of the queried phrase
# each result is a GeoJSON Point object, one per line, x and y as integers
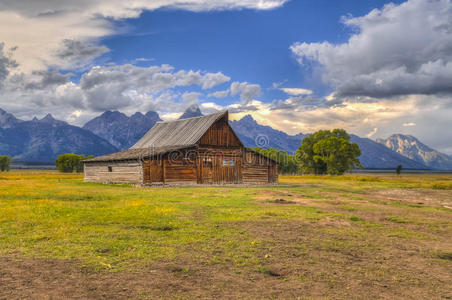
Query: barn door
{"type": "Point", "coordinates": [206, 169]}
{"type": "Point", "coordinates": [227, 170]}
{"type": "Point", "coordinates": [156, 171]}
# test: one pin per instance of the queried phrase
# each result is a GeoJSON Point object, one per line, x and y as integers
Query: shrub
{"type": "Point", "coordinates": [399, 169]}
{"type": "Point", "coordinates": [5, 163]}
{"type": "Point", "coordinates": [70, 162]}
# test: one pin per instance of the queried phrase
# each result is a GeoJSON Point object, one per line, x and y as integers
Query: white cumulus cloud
{"type": "Point", "coordinates": [296, 91]}
{"type": "Point", "coordinates": [397, 50]}
{"type": "Point", "coordinates": [247, 91]}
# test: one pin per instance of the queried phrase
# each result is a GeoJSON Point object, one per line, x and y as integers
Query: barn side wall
{"type": "Point", "coordinates": [255, 174]}
{"type": "Point", "coordinates": [257, 169]}
{"type": "Point", "coordinates": [129, 172]}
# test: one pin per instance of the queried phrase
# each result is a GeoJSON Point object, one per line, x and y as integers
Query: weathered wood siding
{"type": "Point", "coordinates": [273, 173]}
{"type": "Point", "coordinates": [152, 171]}
{"type": "Point", "coordinates": [220, 134]}
{"type": "Point", "coordinates": [219, 165]}
{"type": "Point", "coordinates": [255, 174]}
{"type": "Point", "coordinates": [180, 173]}
{"type": "Point", "coordinates": [114, 172]}
{"type": "Point", "coordinates": [258, 169]}
{"type": "Point", "coordinates": [175, 167]}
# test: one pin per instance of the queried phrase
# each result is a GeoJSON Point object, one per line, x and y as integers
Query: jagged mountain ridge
{"type": "Point", "coordinates": [43, 140]}
{"type": "Point", "coordinates": [191, 112]}
{"type": "Point", "coordinates": [412, 148]}
{"type": "Point", "coordinates": [120, 130]}
{"type": "Point", "coordinates": [376, 156]}
{"type": "Point", "coordinates": [7, 120]}
{"type": "Point", "coordinates": [253, 135]}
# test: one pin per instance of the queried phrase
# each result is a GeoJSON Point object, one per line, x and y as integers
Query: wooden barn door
{"type": "Point", "coordinates": [227, 170]}
{"type": "Point", "coordinates": [206, 167]}
{"type": "Point", "coordinates": [156, 171]}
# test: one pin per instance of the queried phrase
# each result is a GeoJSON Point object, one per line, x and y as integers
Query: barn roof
{"type": "Point", "coordinates": [132, 154]}
{"type": "Point", "coordinates": [186, 132]}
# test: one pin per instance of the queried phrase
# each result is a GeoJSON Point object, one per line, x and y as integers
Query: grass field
{"type": "Point", "coordinates": [353, 236]}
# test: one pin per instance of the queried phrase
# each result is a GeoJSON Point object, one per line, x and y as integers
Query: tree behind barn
{"type": "Point", "coordinates": [286, 162]}
{"type": "Point", "coordinates": [328, 152]}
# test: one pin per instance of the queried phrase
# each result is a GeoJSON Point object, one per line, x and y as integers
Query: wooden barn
{"type": "Point", "coordinates": [200, 150]}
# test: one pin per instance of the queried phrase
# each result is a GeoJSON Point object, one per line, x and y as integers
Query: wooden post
{"type": "Point", "coordinates": [163, 171]}
{"type": "Point", "coordinates": [199, 168]}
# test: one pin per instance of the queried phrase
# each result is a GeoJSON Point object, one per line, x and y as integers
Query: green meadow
{"type": "Point", "coordinates": [371, 236]}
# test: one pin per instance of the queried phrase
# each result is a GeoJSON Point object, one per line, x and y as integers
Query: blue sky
{"type": "Point", "coordinates": [373, 68]}
{"type": "Point", "coordinates": [247, 45]}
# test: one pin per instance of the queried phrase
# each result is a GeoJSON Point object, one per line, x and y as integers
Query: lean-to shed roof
{"type": "Point", "coordinates": [134, 154]}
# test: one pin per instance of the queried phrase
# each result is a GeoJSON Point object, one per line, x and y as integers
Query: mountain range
{"type": "Point", "coordinates": [120, 130]}
{"type": "Point", "coordinates": [42, 140]}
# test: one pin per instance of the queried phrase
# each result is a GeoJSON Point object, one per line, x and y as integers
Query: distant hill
{"type": "Point", "coordinates": [191, 112]}
{"type": "Point", "coordinates": [120, 130]}
{"type": "Point", "coordinates": [43, 140]}
{"type": "Point", "coordinates": [411, 147]}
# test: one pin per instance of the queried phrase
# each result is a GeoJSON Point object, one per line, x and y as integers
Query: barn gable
{"type": "Point", "coordinates": [220, 134]}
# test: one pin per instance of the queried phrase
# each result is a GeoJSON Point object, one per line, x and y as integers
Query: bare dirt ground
{"type": "Point", "coordinates": [300, 259]}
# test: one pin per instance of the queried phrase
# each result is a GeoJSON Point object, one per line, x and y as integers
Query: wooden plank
{"type": "Point", "coordinates": [164, 170]}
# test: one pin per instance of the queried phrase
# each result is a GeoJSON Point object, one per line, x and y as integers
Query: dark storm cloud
{"type": "Point", "coordinates": [44, 79]}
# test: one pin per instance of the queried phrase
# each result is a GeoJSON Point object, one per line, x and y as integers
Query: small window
{"type": "Point", "coordinates": [110, 169]}
{"type": "Point", "coordinates": [228, 163]}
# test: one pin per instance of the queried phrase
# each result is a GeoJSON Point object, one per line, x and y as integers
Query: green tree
{"type": "Point", "coordinates": [328, 152]}
{"type": "Point", "coordinates": [70, 162]}
{"type": "Point", "coordinates": [399, 169]}
{"type": "Point", "coordinates": [286, 162]}
{"type": "Point", "coordinates": [5, 163]}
